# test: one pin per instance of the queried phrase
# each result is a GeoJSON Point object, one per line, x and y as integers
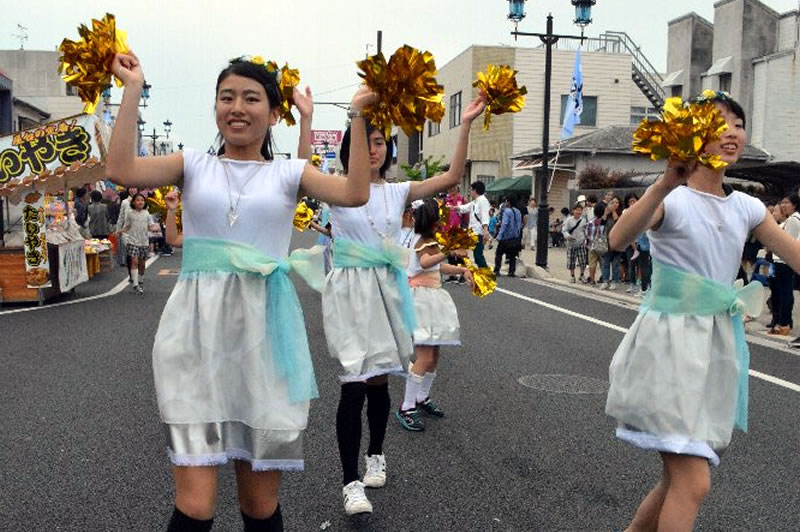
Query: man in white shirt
{"type": "Point", "coordinates": [478, 210]}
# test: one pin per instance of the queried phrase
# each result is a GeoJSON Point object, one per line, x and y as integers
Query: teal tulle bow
{"type": "Point", "coordinates": [349, 254]}
{"type": "Point", "coordinates": [674, 291]}
{"type": "Point", "coordinates": [291, 354]}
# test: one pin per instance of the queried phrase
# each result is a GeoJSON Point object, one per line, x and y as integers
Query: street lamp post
{"type": "Point", "coordinates": [583, 14]}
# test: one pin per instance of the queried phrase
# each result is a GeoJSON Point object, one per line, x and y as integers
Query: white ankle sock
{"type": "Point", "coordinates": [135, 277]}
{"type": "Point", "coordinates": [413, 384]}
{"type": "Point", "coordinates": [425, 390]}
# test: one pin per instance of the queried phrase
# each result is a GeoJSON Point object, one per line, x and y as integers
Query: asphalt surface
{"type": "Point", "coordinates": [82, 447]}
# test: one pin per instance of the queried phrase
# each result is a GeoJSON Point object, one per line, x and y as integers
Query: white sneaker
{"type": "Point", "coordinates": [629, 290]}
{"type": "Point", "coordinates": [612, 286]}
{"type": "Point", "coordinates": [355, 500]}
{"type": "Point", "coordinates": [375, 477]}
{"type": "Point", "coordinates": [604, 286]}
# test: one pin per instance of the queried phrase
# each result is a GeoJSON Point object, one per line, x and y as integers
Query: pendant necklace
{"type": "Point", "coordinates": [388, 225]}
{"type": "Point", "coordinates": [233, 208]}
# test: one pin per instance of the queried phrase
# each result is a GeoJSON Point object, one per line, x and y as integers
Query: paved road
{"type": "Point", "coordinates": [82, 448]}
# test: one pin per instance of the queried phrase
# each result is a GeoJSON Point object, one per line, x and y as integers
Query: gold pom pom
{"type": "Point", "coordinates": [484, 281]}
{"type": "Point", "coordinates": [156, 204]}
{"type": "Point", "coordinates": [453, 237]}
{"type": "Point", "coordinates": [289, 79]}
{"type": "Point", "coordinates": [407, 90]}
{"type": "Point", "coordinates": [86, 64]}
{"type": "Point", "coordinates": [316, 160]}
{"type": "Point", "coordinates": [684, 131]}
{"type": "Point", "coordinates": [499, 85]}
{"type": "Point", "coordinates": [302, 216]}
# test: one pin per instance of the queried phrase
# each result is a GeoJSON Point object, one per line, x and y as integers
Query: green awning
{"type": "Point", "coordinates": [498, 185]}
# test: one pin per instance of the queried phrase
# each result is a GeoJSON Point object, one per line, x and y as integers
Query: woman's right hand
{"type": "Point", "coordinates": [128, 69]}
{"type": "Point", "coordinates": [362, 98]}
{"type": "Point", "coordinates": [459, 253]}
{"type": "Point", "coordinates": [677, 173]}
{"type": "Point", "coordinates": [172, 200]}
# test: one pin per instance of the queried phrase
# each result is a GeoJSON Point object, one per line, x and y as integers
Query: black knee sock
{"type": "Point", "coordinates": [273, 523]}
{"type": "Point", "coordinates": [180, 522]}
{"type": "Point", "coordinates": [348, 428]}
{"type": "Point", "coordinates": [378, 406]}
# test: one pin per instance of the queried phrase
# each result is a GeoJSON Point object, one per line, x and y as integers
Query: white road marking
{"type": "Point", "coordinates": [114, 291]}
{"type": "Point", "coordinates": [753, 373]}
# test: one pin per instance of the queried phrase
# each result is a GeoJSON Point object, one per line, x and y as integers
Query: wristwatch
{"type": "Point", "coordinates": [354, 114]}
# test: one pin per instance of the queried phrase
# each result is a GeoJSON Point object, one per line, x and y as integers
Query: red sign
{"type": "Point", "coordinates": [331, 137]}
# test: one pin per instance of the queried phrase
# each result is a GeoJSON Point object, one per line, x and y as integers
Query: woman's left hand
{"type": "Point", "coordinates": [460, 253]}
{"type": "Point", "coordinates": [304, 102]}
{"type": "Point", "coordinates": [469, 278]}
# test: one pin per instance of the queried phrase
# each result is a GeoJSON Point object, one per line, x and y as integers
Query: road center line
{"type": "Point", "coordinates": [753, 373]}
{"type": "Point", "coordinates": [114, 291]}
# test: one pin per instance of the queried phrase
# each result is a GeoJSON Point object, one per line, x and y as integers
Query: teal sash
{"type": "Point", "coordinates": [291, 355]}
{"type": "Point", "coordinates": [349, 254]}
{"type": "Point", "coordinates": [674, 291]}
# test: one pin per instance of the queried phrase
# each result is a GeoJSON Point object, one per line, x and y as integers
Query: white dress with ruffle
{"type": "Point", "coordinates": [218, 393]}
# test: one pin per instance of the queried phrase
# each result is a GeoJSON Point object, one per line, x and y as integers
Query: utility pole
{"type": "Point", "coordinates": [380, 41]}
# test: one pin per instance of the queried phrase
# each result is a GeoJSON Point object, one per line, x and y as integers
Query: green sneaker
{"type": "Point", "coordinates": [410, 419]}
{"type": "Point", "coordinates": [429, 408]}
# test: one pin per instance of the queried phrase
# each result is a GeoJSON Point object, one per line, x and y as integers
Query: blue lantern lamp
{"type": "Point", "coordinates": [583, 12]}
{"type": "Point", "coordinates": [516, 11]}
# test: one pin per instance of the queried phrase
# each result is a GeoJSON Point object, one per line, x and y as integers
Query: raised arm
{"type": "Point", "coordinates": [305, 106]}
{"type": "Point", "coordinates": [122, 164]}
{"type": "Point", "coordinates": [171, 224]}
{"type": "Point", "coordinates": [432, 186]}
{"type": "Point", "coordinates": [352, 191]}
{"type": "Point", "coordinates": [648, 212]}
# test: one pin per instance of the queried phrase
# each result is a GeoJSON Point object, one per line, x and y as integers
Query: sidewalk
{"type": "Point", "coordinates": [558, 274]}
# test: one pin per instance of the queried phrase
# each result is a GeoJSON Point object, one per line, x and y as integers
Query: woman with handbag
{"type": "Point", "coordinates": [596, 241]}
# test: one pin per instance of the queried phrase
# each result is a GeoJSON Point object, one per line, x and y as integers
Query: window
{"type": "Point", "coordinates": [725, 82]}
{"type": "Point", "coordinates": [393, 147]}
{"type": "Point", "coordinates": [677, 91]}
{"type": "Point", "coordinates": [455, 110]}
{"type": "Point", "coordinates": [434, 128]}
{"type": "Point", "coordinates": [589, 114]}
{"type": "Point", "coordinates": [640, 113]}
{"type": "Point", "coordinates": [485, 179]}
{"type": "Point", "coordinates": [72, 91]}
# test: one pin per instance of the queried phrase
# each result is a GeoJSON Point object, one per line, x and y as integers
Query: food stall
{"type": "Point", "coordinates": [45, 254]}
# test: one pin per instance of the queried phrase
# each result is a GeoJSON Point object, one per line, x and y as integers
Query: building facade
{"type": "Point", "coordinates": [753, 56]}
{"type": "Point", "coordinates": [611, 98]}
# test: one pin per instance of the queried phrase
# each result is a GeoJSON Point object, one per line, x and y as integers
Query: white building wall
{"type": "Point", "coordinates": [758, 118]}
{"type": "Point", "coordinates": [780, 119]}
{"type": "Point", "coordinates": [787, 30]}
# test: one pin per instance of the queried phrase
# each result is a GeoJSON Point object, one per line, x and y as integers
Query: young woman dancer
{"type": "Point", "coordinates": [678, 381]}
{"type": "Point", "coordinates": [368, 311]}
{"type": "Point", "coordinates": [232, 367]}
{"type": "Point", "coordinates": [437, 317]}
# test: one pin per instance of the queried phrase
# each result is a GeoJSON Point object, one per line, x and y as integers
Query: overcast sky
{"type": "Point", "coordinates": [183, 44]}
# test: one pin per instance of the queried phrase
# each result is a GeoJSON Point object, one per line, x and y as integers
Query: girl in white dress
{"type": "Point", "coordinates": [368, 312]}
{"type": "Point", "coordinates": [437, 317]}
{"type": "Point", "coordinates": [137, 241]}
{"type": "Point", "coordinates": [678, 381]}
{"type": "Point", "coordinates": [232, 367]}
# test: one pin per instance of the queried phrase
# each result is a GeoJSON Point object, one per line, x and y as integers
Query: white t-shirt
{"type": "Point", "coordinates": [264, 193]}
{"type": "Point", "coordinates": [138, 223]}
{"type": "Point", "coordinates": [478, 210]}
{"type": "Point", "coordinates": [705, 234]}
{"type": "Point", "coordinates": [791, 226]}
{"type": "Point", "coordinates": [385, 207]}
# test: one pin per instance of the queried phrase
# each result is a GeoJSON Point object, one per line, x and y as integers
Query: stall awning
{"type": "Point", "coordinates": [720, 66]}
{"type": "Point", "coordinates": [675, 79]}
{"type": "Point", "coordinates": [510, 184]}
{"type": "Point", "coordinates": [498, 185]}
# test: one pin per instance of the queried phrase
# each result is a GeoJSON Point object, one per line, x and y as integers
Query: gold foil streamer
{"type": "Point", "coordinates": [302, 216]}
{"type": "Point", "coordinates": [407, 90]}
{"type": "Point", "coordinates": [86, 63]}
{"type": "Point", "coordinates": [684, 131]}
{"type": "Point", "coordinates": [289, 79]}
{"type": "Point", "coordinates": [454, 237]}
{"type": "Point", "coordinates": [484, 281]}
{"type": "Point", "coordinates": [499, 85]}
{"type": "Point", "coordinates": [157, 205]}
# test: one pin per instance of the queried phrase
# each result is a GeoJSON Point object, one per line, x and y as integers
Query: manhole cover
{"type": "Point", "coordinates": [564, 383]}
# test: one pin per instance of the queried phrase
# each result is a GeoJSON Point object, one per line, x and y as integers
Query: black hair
{"type": "Point", "coordinates": [577, 206]}
{"type": "Point", "coordinates": [268, 80]}
{"type": "Point", "coordinates": [344, 150]}
{"type": "Point", "coordinates": [599, 210]}
{"type": "Point", "coordinates": [425, 218]}
{"type": "Point", "coordinates": [795, 200]}
{"type": "Point", "coordinates": [479, 187]}
{"type": "Point", "coordinates": [81, 192]}
{"type": "Point", "coordinates": [123, 195]}
{"type": "Point", "coordinates": [725, 99]}
{"type": "Point", "coordinates": [565, 211]}
{"type": "Point", "coordinates": [591, 199]}
{"type": "Point", "coordinates": [133, 199]}
{"type": "Point", "coordinates": [629, 197]}
{"type": "Point", "coordinates": [96, 196]}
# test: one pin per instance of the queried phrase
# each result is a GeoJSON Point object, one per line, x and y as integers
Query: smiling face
{"type": "Point", "coordinates": [732, 142]}
{"type": "Point", "coordinates": [243, 112]}
{"type": "Point", "coordinates": [377, 151]}
{"type": "Point", "coordinates": [138, 203]}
